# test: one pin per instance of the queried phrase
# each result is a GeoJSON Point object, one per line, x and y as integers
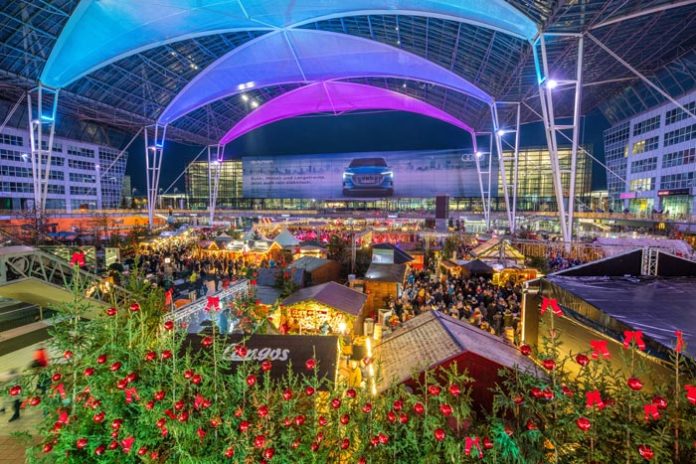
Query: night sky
{"type": "Point", "coordinates": [389, 131]}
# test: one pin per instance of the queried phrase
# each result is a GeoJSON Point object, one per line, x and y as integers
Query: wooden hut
{"type": "Point", "coordinates": [434, 340]}
{"type": "Point", "coordinates": [329, 308]}
{"type": "Point", "coordinates": [316, 271]}
{"type": "Point", "coordinates": [383, 283]}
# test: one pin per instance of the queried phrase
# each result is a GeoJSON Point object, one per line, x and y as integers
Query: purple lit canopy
{"type": "Point", "coordinates": [300, 56]}
{"type": "Point", "coordinates": [336, 97]}
{"type": "Point", "coordinates": [100, 32]}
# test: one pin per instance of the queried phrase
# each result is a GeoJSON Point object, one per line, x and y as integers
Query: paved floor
{"type": "Point", "coordinates": [12, 450]}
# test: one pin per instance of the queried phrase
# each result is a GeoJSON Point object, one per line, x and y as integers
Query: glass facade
{"type": "Point", "coordinates": [229, 187]}
{"type": "Point", "coordinates": [535, 182]}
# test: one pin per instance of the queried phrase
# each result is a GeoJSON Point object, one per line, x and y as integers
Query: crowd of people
{"type": "Point", "coordinates": [474, 299]}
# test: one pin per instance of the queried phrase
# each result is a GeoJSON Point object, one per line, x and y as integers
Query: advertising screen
{"type": "Point", "coordinates": [362, 175]}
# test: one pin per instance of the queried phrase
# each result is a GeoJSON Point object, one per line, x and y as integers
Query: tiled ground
{"type": "Point", "coordinates": [12, 451]}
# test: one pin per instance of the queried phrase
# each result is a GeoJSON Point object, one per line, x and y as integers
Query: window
{"type": "Point", "coordinates": [683, 134]}
{"type": "Point", "coordinates": [75, 164]}
{"type": "Point", "coordinates": [14, 140]}
{"type": "Point", "coordinates": [647, 164]}
{"type": "Point", "coordinates": [679, 180]}
{"type": "Point", "coordinates": [84, 152]}
{"type": "Point", "coordinates": [679, 158]}
{"type": "Point", "coordinates": [646, 145]}
{"type": "Point", "coordinates": [677, 114]}
{"type": "Point", "coordinates": [11, 155]}
{"type": "Point", "coordinates": [78, 177]}
{"type": "Point", "coordinates": [78, 190]}
{"type": "Point", "coordinates": [643, 185]}
{"type": "Point", "coordinates": [21, 187]}
{"type": "Point", "coordinates": [646, 126]}
{"type": "Point", "coordinates": [616, 134]}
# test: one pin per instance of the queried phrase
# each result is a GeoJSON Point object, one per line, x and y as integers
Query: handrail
{"type": "Point", "coordinates": [186, 312]}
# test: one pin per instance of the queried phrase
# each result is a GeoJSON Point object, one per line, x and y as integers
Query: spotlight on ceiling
{"type": "Point", "coordinates": [501, 132]}
{"type": "Point", "coordinates": [552, 83]}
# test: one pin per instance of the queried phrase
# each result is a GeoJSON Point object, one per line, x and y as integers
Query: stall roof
{"type": "Point", "coordinates": [497, 248]}
{"type": "Point", "coordinates": [309, 263]}
{"type": "Point", "coordinates": [400, 256]}
{"type": "Point", "coordinates": [434, 338]}
{"type": "Point", "coordinates": [478, 267]}
{"type": "Point", "coordinates": [657, 306]}
{"type": "Point", "coordinates": [386, 272]}
{"type": "Point", "coordinates": [331, 294]}
{"type": "Point", "coordinates": [286, 239]}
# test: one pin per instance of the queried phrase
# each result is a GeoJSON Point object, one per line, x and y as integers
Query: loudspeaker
{"type": "Point", "coordinates": [442, 207]}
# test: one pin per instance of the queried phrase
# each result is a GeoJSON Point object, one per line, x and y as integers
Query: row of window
{"type": "Point", "coordinates": [645, 165]}
{"type": "Point", "coordinates": [677, 114]}
{"type": "Point", "coordinates": [76, 164]}
{"type": "Point", "coordinates": [617, 134]}
{"type": "Point", "coordinates": [81, 151]}
{"type": "Point", "coordinates": [14, 140]}
{"type": "Point", "coordinates": [679, 158]}
{"type": "Point", "coordinates": [679, 180]}
{"type": "Point", "coordinates": [683, 134]}
{"type": "Point", "coordinates": [14, 171]}
{"type": "Point", "coordinates": [646, 125]}
{"type": "Point", "coordinates": [79, 177]}
{"type": "Point", "coordinates": [642, 146]}
{"type": "Point", "coordinates": [14, 155]}
{"type": "Point", "coordinates": [27, 187]}
{"type": "Point", "coordinates": [642, 185]}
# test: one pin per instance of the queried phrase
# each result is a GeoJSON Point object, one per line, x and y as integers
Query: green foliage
{"type": "Point", "coordinates": [207, 412]}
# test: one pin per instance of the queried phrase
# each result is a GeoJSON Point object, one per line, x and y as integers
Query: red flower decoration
{"type": "Point", "coordinates": [594, 398]}
{"type": "Point", "coordinates": [101, 359]}
{"type": "Point", "coordinates": [583, 424]}
{"type": "Point", "coordinates": [418, 408]}
{"type": "Point", "coordinates": [367, 408]}
{"type": "Point", "coordinates": [549, 364]}
{"type": "Point", "coordinates": [551, 303]}
{"type": "Point", "coordinates": [446, 409]}
{"type": "Point", "coordinates": [599, 349]}
{"type": "Point", "coordinates": [169, 325]}
{"type": "Point", "coordinates": [268, 453]}
{"type": "Point", "coordinates": [266, 365]}
{"type": "Point", "coordinates": [634, 384]}
{"type": "Point", "coordinates": [241, 351]}
{"type": "Point", "coordinates": [660, 402]}
{"type": "Point", "coordinates": [251, 380]}
{"type": "Point", "coordinates": [15, 390]}
{"type": "Point", "coordinates": [166, 354]}
{"type": "Point", "coordinates": [335, 403]}
{"type": "Point", "coordinates": [651, 412]}
{"type": "Point", "coordinates": [635, 336]}
{"type": "Point", "coordinates": [646, 452]}
{"type": "Point", "coordinates": [455, 390]}
{"type": "Point", "coordinates": [287, 394]}
{"type": "Point", "coordinates": [525, 350]}
{"type": "Point", "coordinates": [350, 393]}
{"type": "Point", "coordinates": [150, 356]}
{"type": "Point", "coordinates": [111, 312]}
{"type": "Point", "coordinates": [434, 390]}
{"type": "Point", "coordinates": [680, 341]}
{"type": "Point", "coordinates": [439, 434]}
{"type": "Point", "coordinates": [472, 442]}
{"type": "Point", "coordinates": [67, 354]}
{"type": "Point", "coordinates": [207, 342]}
{"type": "Point", "coordinates": [127, 444]}
{"type": "Point", "coordinates": [311, 364]}
{"type": "Point", "coordinates": [81, 443]}
{"type": "Point", "coordinates": [115, 366]}
{"type": "Point", "coordinates": [691, 393]}
{"type": "Point", "coordinates": [345, 418]}
{"type": "Point", "coordinates": [135, 307]}
{"type": "Point", "coordinates": [309, 391]}
{"type": "Point", "coordinates": [582, 359]}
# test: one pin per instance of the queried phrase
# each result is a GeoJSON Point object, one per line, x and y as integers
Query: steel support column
{"type": "Point", "coordinates": [509, 186]}
{"type": "Point", "coordinates": [564, 193]}
{"type": "Point", "coordinates": [42, 125]}
{"type": "Point", "coordinates": [215, 158]}
{"type": "Point", "coordinates": [154, 151]}
{"type": "Point", "coordinates": [485, 190]}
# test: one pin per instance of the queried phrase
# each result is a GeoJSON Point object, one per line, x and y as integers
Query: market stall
{"type": "Point", "coordinates": [329, 308]}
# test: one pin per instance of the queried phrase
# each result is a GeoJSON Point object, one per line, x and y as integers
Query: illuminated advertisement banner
{"type": "Point", "coordinates": [363, 175]}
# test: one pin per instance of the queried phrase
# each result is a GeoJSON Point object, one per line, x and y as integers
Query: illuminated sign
{"type": "Point", "coordinates": [667, 192]}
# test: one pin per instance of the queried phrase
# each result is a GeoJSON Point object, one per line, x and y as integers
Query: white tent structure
{"type": "Point", "coordinates": [286, 240]}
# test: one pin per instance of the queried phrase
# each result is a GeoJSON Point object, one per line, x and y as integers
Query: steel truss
{"type": "Point", "coordinates": [154, 151]}
{"type": "Point", "coordinates": [563, 180]}
{"type": "Point", "coordinates": [508, 190]}
{"type": "Point", "coordinates": [42, 125]}
{"type": "Point", "coordinates": [215, 158]}
{"type": "Point", "coordinates": [485, 190]}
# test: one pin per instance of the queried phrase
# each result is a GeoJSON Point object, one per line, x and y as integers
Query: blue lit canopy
{"type": "Point", "coordinates": [336, 98]}
{"type": "Point", "coordinates": [303, 55]}
{"type": "Point", "coordinates": [100, 32]}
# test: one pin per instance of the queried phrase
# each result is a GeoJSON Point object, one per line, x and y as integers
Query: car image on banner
{"type": "Point", "coordinates": [368, 177]}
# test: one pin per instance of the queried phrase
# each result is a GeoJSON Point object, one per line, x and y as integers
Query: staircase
{"type": "Point", "coordinates": [33, 276]}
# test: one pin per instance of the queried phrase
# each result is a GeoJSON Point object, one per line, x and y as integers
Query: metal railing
{"type": "Point", "coordinates": [186, 312]}
{"type": "Point", "coordinates": [22, 262]}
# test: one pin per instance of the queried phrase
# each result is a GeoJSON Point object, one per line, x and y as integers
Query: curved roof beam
{"type": "Point", "coordinates": [336, 98]}
{"type": "Point", "coordinates": [303, 55]}
{"type": "Point", "coordinates": [100, 32]}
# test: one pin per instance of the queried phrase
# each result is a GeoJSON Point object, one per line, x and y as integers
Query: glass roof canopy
{"type": "Point", "coordinates": [336, 97]}
{"type": "Point", "coordinates": [293, 56]}
{"type": "Point", "coordinates": [100, 32]}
